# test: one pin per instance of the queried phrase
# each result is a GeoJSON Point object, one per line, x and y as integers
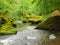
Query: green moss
{"type": "Point", "coordinates": [7, 25]}
{"type": "Point", "coordinates": [32, 18]}
{"type": "Point", "coordinates": [6, 31]}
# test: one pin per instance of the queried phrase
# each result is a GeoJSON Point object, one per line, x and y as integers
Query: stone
{"type": "Point", "coordinates": [55, 41]}
{"type": "Point", "coordinates": [33, 19]}
{"type": "Point", "coordinates": [51, 24]}
{"type": "Point", "coordinates": [55, 13]}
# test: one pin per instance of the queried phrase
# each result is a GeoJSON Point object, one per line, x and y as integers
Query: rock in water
{"type": "Point", "coordinates": [51, 24]}
{"type": "Point", "coordinates": [55, 41]}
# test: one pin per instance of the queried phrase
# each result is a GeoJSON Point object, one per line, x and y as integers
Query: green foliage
{"type": "Point", "coordinates": [10, 6]}
{"type": "Point", "coordinates": [46, 6]}
{"type": "Point", "coordinates": [16, 8]}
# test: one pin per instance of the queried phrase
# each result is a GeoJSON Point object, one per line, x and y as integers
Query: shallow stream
{"type": "Point", "coordinates": [26, 35]}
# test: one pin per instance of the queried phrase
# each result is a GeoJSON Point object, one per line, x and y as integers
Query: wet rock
{"type": "Point", "coordinates": [51, 24]}
{"type": "Point", "coordinates": [55, 41]}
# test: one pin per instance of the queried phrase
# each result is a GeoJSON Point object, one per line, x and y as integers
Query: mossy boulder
{"type": "Point", "coordinates": [7, 29]}
{"type": "Point", "coordinates": [33, 19]}
{"type": "Point", "coordinates": [7, 25]}
{"type": "Point", "coordinates": [51, 24]}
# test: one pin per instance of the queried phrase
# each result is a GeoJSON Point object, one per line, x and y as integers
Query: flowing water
{"type": "Point", "coordinates": [26, 35]}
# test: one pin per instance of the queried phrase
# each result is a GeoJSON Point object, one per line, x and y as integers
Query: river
{"type": "Point", "coordinates": [26, 35]}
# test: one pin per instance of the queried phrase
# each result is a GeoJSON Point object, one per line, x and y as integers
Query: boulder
{"type": "Point", "coordinates": [51, 24]}
{"type": "Point", "coordinates": [33, 19]}
{"type": "Point", "coordinates": [7, 25]}
{"type": "Point", "coordinates": [55, 13]}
